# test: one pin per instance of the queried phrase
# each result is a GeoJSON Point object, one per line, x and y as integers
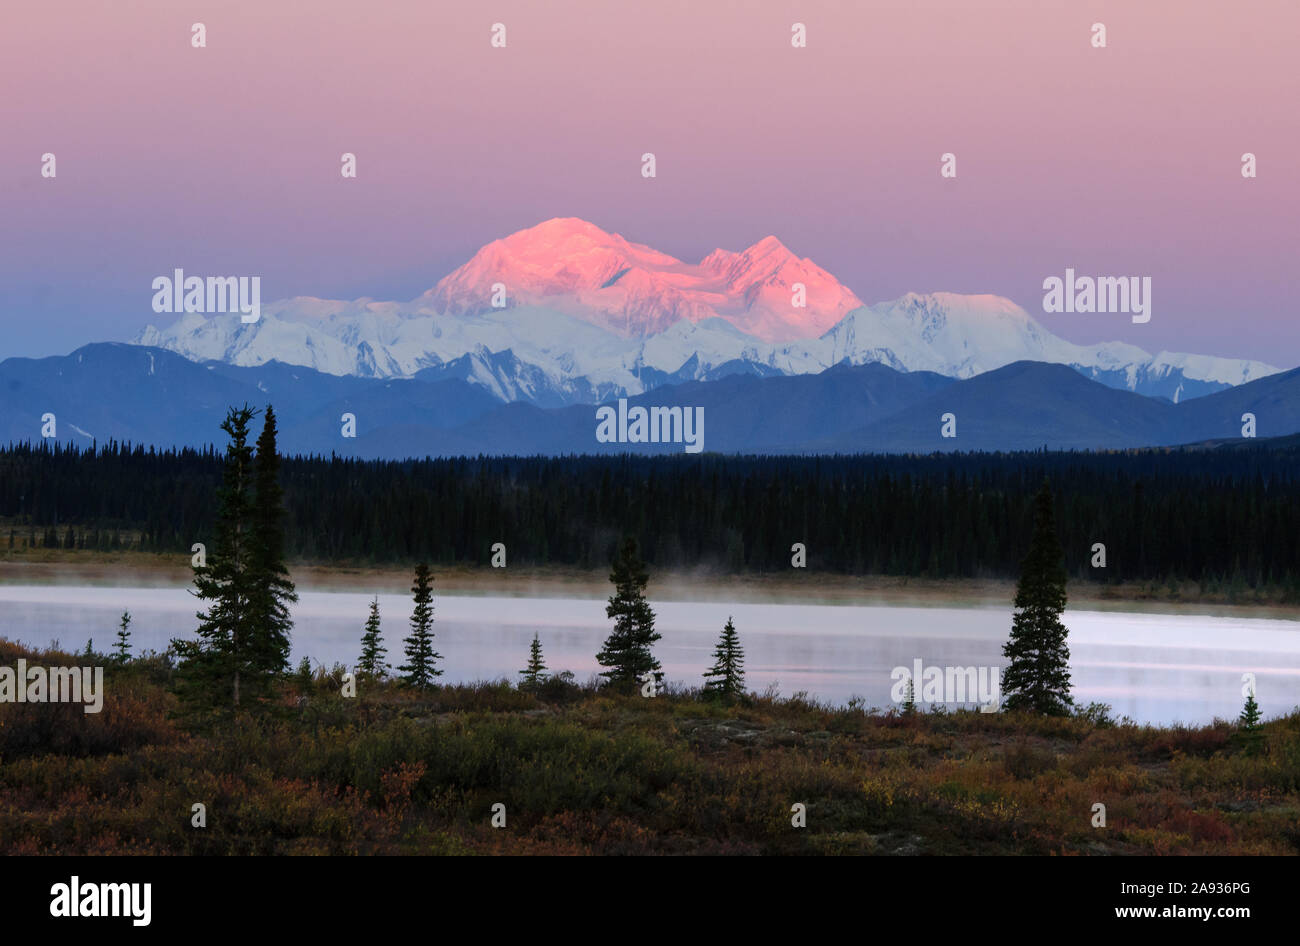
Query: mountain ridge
{"type": "Point", "coordinates": [586, 313]}
{"type": "Point", "coordinates": [132, 393]}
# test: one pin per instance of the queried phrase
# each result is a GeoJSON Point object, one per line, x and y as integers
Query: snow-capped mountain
{"type": "Point", "coordinates": [589, 315]}
{"type": "Point", "coordinates": [965, 335]}
{"type": "Point", "coordinates": [577, 268]}
{"type": "Point", "coordinates": [528, 353]}
{"type": "Point", "coordinates": [960, 336]}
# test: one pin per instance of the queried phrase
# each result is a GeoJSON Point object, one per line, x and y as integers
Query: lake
{"type": "Point", "coordinates": [1152, 667]}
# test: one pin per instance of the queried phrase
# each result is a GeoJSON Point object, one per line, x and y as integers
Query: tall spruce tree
{"type": "Point", "coordinates": [122, 649]}
{"type": "Point", "coordinates": [421, 668]}
{"type": "Point", "coordinates": [726, 678]}
{"type": "Point", "coordinates": [535, 672]}
{"type": "Point", "coordinates": [372, 663]}
{"type": "Point", "coordinates": [627, 649]}
{"type": "Point", "coordinates": [1038, 676]}
{"type": "Point", "coordinates": [271, 590]}
{"type": "Point", "coordinates": [214, 669]}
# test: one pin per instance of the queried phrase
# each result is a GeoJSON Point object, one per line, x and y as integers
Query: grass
{"type": "Point", "coordinates": [581, 770]}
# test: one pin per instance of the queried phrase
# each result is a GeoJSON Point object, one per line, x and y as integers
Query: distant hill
{"type": "Point", "coordinates": [147, 395]}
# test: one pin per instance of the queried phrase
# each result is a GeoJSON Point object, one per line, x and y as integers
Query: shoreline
{"type": "Point", "coordinates": [146, 570]}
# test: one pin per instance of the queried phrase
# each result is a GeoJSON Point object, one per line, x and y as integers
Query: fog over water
{"type": "Point", "coordinates": [1153, 667]}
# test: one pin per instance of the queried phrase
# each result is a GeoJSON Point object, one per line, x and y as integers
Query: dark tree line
{"type": "Point", "coordinates": [1227, 516]}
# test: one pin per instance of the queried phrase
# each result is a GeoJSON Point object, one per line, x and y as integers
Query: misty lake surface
{"type": "Point", "coordinates": [1152, 667]}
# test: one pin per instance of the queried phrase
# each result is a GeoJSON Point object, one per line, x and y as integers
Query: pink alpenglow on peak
{"type": "Point", "coordinates": [577, 268]}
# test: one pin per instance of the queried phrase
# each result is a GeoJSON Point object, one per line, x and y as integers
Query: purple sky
{"type": "Point", "coordinates": [1116, 161]}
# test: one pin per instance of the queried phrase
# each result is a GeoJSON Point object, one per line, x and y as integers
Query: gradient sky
{"type": "Point", "coordinates": [224, 160]}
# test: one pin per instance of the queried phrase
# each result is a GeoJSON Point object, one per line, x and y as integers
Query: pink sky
{"type": "Point", "coordinates": [1121, 161]}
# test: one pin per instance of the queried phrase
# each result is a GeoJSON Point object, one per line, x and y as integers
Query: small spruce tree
{"type": "Point", "coordinates": [1250, 736]}
{"type": "Point", "coordinates": [627, 649]}
{"type": "Point", "coordinates": [726, 678]}
{"type": "Point", "coordinates": [305, 677]}
{"type": "Point", "coordinates": [909, 698]}
{"type": "Point", "coordinates": [122, 649]}
{"type": "Point", "coordinates": [535, 672]}
{"type": "Point", "coordinates": [1038, 676]}
{"type": "Point", "coordinates": [421, 668]}
{"type": "Point", "coordinates": [372, 664]}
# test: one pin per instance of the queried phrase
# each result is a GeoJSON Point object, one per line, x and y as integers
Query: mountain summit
{"type": "Point", "coordinates": [572, 266]}
{"type": "Point", "coordinates": [583, 315]}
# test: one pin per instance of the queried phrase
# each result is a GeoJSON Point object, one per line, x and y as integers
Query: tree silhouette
{"type": "Point", "coordinates": [1038, 677]}
{"type": "Point", "coordinates": [222, 659]}
{"type": "Point", "coordinates": [372, 664]}
{"type": "Point", "coordinates": [270, 588]}
{"type": "Point", "coordinates": [535, 672]}
{"type": "Point", "coordinates": [122, 649]}
{"type": "Point", "coordinates": [627, 649]}
{"type": "Point", "coordinates": [909, 698]}
{"type": "Point", "coordinates": [1249, 735]}
{"type": "Point", "coordinates": [726, 678]}
{"type": "Point", "coordinates": [421, 667]}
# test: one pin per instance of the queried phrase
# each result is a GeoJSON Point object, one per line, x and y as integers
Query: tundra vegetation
{"type": "Point", "coordinates": [588, 769]}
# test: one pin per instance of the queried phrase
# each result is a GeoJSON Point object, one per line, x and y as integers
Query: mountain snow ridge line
{"type": "Point", "coordinates": [589, 315]}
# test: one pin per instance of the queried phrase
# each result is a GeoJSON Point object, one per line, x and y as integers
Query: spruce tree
{"type": "Point", "coordinates": [1249, 735]}
{"type": "Point", "coordinates": [214, 668]}
{"type": "Point", "coordinates": [305, 677]}
{"type": "Point", "coordinates": [420, 668]}
{"type": "Point", "coordinates": [627, 649]}
{"type": "Point", "coordinates": [535, 672]}
{"type": "Point", "coordinates": [909, 698]}
{"type": "Point", "coordinates": [122, 649]}
{"type": "Point", "coordinates": [271, 589]}
{"type": "Point", "coordinates": [372, 663]}
{"type": "Point", "coordinates": [1038, 676]}
{"type": "Point", "coordinates": [726, 679]}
